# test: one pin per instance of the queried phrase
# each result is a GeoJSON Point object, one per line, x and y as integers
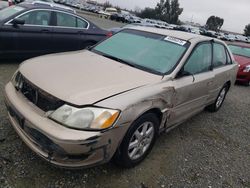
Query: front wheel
{"type": "Point", "coordinates": [138, 141]}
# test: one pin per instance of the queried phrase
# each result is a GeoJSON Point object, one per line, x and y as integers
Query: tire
{"type": "Point", "coordinates": [219, 100]}
{"type": "Point", "coordinates": [248, 83]}
{"type": "Point", "coordinates": [141, 141]}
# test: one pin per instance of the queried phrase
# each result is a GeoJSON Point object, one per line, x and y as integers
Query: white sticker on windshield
{"type": "Point", "coordinates": [175, 40]}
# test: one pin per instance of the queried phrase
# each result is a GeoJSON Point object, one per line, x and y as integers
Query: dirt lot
{"type": "Point", "coordinates": [209, 150]}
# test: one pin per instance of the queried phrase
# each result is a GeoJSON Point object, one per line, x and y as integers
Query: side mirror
{"type": "Point", "coordinates": [183, 73]}
{"type": "Point", "coordinates": [18, 21]}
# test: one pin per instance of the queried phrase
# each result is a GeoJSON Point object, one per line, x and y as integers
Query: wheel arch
{"type": "Point", "coordinates": [228, 83]}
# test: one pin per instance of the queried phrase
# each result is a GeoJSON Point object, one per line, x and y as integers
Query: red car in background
{"type": "Point", "coordinates": [241, 52]}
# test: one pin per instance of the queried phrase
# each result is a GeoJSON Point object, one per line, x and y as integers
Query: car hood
{"type": "Point", "coordinates": [83, 77]}
{"type": "Point", "coordinates": [243, 61]}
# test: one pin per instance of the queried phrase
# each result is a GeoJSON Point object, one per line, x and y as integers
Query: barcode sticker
{"type": "Point", "coordinates": [175, 40]}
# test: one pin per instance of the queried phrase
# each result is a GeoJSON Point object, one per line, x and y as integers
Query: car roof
{"type": "Point", "coordinates": [177, 34]}
{"type": "Point", "coordinates": [38, 5]}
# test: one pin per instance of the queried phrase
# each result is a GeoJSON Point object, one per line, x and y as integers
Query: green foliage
{"type": "Point", "coordinates": [148, 13]}
{"type": "Point", "coordinates": [107, 4]}
{"type": "Point", "coordinates": [165, 10]}
{"type": "Point", "coordinates": [214, 23]}
{"type": "Point", "coordinates": [118, 9]}
{"type": "Point", "coordinates": [247, 30]}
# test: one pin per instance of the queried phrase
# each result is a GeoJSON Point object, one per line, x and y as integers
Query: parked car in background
{"type": "Point", "coordinates": [3, 4]}
{"type": "Point", "coordinates": [29, 30]}
{"type": "Point", "coordinates": [50, 3]}
{"type": "Point", "coordinates": [83, 108]}
{"type": "Point", "coordinates": [132, 19]}
{"type": "Point", "coordinates": [209, 33]}
{"type": "Point", "coordinates": [195, 30]}
{"type": "Point", "coordinates": [228, 37]}
{"type": "Point", "coordinates": [11, 2]}
{"type": "Point", "coordinates": [241, 38]}
{"type": "Point", "coordinates": [107, 12]}
{"type": "Point", "coordinates": [182, 28]}
{"type": "Point", "coordinates": [241, 54]}
{"type": "Point", "coordinates": [118, 17]}
{"type": "Point", "coordinates": [118, 29]}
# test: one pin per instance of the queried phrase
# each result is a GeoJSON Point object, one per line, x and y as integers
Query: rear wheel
{"type": "Point", "coordinates": [219, 100]}
{"type": "Point", "coordinates": [138, 141]}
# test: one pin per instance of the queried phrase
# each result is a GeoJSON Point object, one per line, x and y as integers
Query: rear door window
{"type": "Point", "coordinates": [220, 56]}
{"type": "Point", "coordinates": [66, 20]}
{"type": "Point", "coordinates": [38, 17]}
{"type": "Point", "coordinates": [81, 23]}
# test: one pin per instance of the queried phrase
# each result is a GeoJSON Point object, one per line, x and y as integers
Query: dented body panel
{"type": "Point", "coordinates": [92, 80]}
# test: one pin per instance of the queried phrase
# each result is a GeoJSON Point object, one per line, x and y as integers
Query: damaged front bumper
{"type": "Point", "coordinates": [58, 144]}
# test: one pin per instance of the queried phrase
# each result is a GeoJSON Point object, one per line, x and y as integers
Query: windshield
{"type": "Point", "coordinates": [10, 11]}
{"type": "Point", "coordinates": [151, 52]}
{"type": "Point", "coordinates": [240, 50]}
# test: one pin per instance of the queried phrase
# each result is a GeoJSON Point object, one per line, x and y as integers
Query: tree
{"type": "Point", "coordinates": [169, 11]}
{"type": "Point", "coordinates": [118, 9]}
{"type": "Point", "coordinates": [247, 30]}
{"type": "Point", "coordinates": [137, 9]}
{"type": "Point", "coordinates": [166, 10]}
{"type": "Point", "coordinates": [214, 23]}
{"type": "Point", "coordinates": [147, 13]}
{"type": "Point", "coordinates": [107, 4]}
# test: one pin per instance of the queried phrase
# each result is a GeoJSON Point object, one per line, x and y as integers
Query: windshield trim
{"type": "Point", "coordinates": [147, 33]}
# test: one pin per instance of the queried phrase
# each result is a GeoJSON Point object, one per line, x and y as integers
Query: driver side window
{"type": "Point", "coordinates": [39, 17]}
{"type": "Point", "coordinates": [220, 56]}
{"type": "Point", "coordinates": [200, 60]}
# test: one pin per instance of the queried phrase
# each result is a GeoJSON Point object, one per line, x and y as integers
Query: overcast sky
{"type": "Point", "coordinates": [236, 13]}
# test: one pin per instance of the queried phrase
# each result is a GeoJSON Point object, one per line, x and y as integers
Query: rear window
{"type": "Point", "coordinates": [153, 52]}
{"type": "Point", "coordinates": [220, 56]}
{"type": "Point", "coordinates": [10, 11]}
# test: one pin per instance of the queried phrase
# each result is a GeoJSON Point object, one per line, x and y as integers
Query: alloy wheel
{"type": "Point", "coordinates": [221, 97]}
{"type": "Point", "coordinates": [141, 140]}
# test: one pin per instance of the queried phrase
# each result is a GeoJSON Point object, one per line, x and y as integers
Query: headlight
{"type": "Point", "coordinates": [247, 68]}
{"type": "Point", "coordinates": [89, 118]}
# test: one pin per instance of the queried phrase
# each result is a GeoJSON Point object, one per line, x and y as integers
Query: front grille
{"type": "Point", "coordinates": [38, 97]}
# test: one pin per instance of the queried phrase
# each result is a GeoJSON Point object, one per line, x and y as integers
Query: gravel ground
{"type": "Point", "coordinates": [210, 150]}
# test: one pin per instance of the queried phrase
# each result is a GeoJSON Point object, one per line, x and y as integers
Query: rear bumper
{"type": "Point", "coordinates": [55, 143]}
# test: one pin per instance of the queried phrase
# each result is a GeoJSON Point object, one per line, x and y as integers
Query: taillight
{"type": "Point", "coordinates": [109, 34]}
